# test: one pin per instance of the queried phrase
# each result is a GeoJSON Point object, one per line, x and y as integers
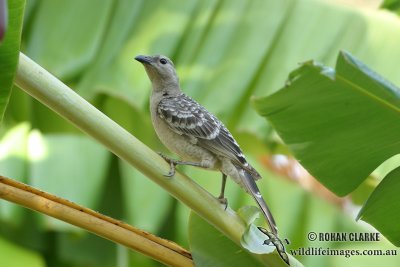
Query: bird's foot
{"type": "Point", "coordinates": [224, 201]}
{"type": "Point", "coordinates": [273, 240]}
{"type": "Point", "coordinates": [172, 164]}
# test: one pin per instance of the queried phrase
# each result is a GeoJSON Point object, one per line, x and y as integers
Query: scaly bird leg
{"type": "Point", "coordinates": [221, 197]}
{"type": "Point", "coordinates": [174, 162]}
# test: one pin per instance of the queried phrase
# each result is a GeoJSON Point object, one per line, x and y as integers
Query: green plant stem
{"type": "Point", "coordinates": [46, 88]}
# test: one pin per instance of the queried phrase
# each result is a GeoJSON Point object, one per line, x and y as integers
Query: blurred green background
{"type": "Point", "coordinates": [225, 52]}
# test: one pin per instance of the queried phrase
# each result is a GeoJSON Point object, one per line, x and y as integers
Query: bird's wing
{"type": "Point", "coordinates": [187, 117]}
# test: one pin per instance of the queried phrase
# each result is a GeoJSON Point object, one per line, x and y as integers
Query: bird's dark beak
{"type": "Point", "coordinates": [143, 59]}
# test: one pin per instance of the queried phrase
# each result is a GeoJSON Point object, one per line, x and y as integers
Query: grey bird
{"type": "Point", "coordinates": [197, 136]}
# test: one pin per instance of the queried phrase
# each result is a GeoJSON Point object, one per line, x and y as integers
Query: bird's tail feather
{"type": "Point", "coordinates": [252, 188]}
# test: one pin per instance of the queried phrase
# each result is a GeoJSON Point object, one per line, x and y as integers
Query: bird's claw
{"type": "Point", "coordinates": [172, 164]}
{"type": "Point", "coordinates": [223, 201]}
{"type": "Point", "coordinates": [169, 175]}
{"type": "Point", "coordinates": [171, 172]}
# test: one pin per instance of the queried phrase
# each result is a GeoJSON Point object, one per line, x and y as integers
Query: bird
{"type": "Point", "coordinates": [198, 137]}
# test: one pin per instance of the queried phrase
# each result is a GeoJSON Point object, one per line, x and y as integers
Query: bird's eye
{"type": "Point", "coordinates": [163, 61]}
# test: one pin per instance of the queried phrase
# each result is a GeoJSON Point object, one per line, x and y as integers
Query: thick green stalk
{"type": "Point", "coordinates": [46, 88]}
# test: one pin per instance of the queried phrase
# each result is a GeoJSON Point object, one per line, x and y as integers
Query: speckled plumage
{"type": "Point", "coordinates": [189, 130]}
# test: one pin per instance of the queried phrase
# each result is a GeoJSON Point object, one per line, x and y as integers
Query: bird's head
{"type": "Point", "coordinates": [160, 70]}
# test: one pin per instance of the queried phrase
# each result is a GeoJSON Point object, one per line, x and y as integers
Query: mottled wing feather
{"type": "Point", "coordinates": [224, 144]}
{"type": "Point", "coordinates": [187, 117]}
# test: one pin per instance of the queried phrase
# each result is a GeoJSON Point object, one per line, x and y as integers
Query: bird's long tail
{"type": "Point", "coordinates": [252, 188]}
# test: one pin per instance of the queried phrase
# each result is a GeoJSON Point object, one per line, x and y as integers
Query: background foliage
{"type": "Point", "coordinates": [225, 52]}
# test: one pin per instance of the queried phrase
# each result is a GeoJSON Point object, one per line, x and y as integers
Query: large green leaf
{"type": "Point", "coordinates": [336, 122]}
{"type": "Point", "coordinates": [341, 125]}
{"type": "Point", "coordinates": [9, 48]}
{"type": "Point", "coordinates": [382, 210]}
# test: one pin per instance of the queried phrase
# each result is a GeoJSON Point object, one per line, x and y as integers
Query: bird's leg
{"type": "Point", "coordinates": [174, 162]}
{"type": "Point", "coordinates": [221, 198]}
